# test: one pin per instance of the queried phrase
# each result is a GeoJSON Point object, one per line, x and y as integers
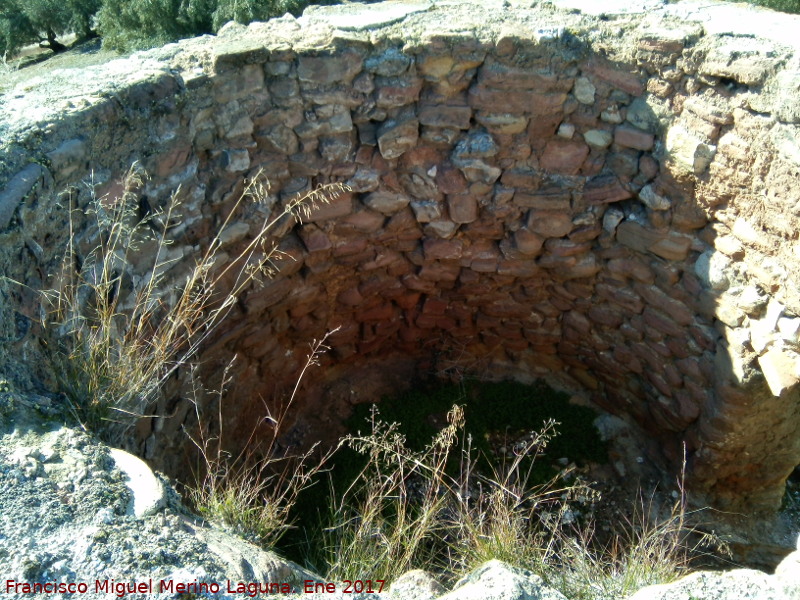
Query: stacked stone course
{"type": "Point", "coordinates": [520, 206]}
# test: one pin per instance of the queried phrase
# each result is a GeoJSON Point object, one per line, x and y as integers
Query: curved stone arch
{"type": "Point", "coordinates": [531, 193]}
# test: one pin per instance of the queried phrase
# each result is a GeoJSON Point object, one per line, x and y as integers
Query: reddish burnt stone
{"type": "Point", "coordinates": [605, 189]}
{"type": "Point", "coordinates": [450, 180]}
{"type": "Point", "coordinates": [565, 157]}
{"type": "Point", "coordinates": [350, 297]}
{"type": "Point", "coordinates": [439, 249]}
{"type": "Point", "coordinates": [631, 137]}
{"type": "Point", "coordinates": [626, 81]}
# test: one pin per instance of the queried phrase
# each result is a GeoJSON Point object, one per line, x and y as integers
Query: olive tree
{"type": "Point", "coordinates": [128, 24]}
{"type": "Point", "coordinates": [25, 22]}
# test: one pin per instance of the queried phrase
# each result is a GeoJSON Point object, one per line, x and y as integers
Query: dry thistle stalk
{"type": "Point", "coordinates": [115, 336]}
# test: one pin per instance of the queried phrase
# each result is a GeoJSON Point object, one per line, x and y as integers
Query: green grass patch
{"type": "Point", "coordinates": [495, 413]}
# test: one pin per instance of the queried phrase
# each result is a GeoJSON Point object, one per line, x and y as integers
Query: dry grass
{"type": "Point", "coordinates": [404, 511]}
{"type": "Point", "coordinates": [114, 338]}
{"type": "Point", "coordinates": [253, 492]}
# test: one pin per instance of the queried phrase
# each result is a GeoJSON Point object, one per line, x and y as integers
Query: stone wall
{"type": "Point", "coordinates": [609, 201]}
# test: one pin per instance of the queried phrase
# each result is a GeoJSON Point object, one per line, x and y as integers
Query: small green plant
{"type": "Point", "coordinates": [406, 509]}
{"type": "Point", "coordinates": [497, 415]}
{"type": "Point", "coordinates": [390, 518]}
{"type": "Point", "coordinates": [113, 339]}
{"type": "Point", "coordinates": [642, 551]}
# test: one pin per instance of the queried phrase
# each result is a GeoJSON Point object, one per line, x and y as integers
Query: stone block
{"type": "Point", "coordinates": [394, 137]}
{"type": "Point", "coordinates": [627, 268]}
{"type": "Point", "coordinates": [278, 138]}
{"type": "Point", "coordinates": [502, 123]}
{"type": "Point", "coordinates": [497, 75]}
{"type": "Point", "coordinates": [562, 247]}
{"type": "Point", "coordinates": [365, 179]}
{"type": "Point", "coordinates": [545, 199]}
{"type": "Point", "coordinates": [338, 207]}
{"type": "Point", "coordinates": [426, 211]}
{"type": "Point", "coordinates": [236, 161]}
{"type": "Point", "coordinates": [584, 266]}
{"type": "Point", "coordinates": [68, 157]}
{"type": "Point", "coordinates": [439, 272]}
{"type": "Point", "coordinates": [652, 200]}
{"type": "Point", "coordinates": [781, 369]}
{"type": "Point", "coordinates": [586, 233]}
{"type": "Point", "coordinates": [361, 222]}
{"type": "Point", "coordinates": [457, 117]}
{"type": "Point", "coordinates": [605, 315]}
{"type": "Point", "coordinates": [584, 91]}
{"type": "Point", "coordinates": [245, 81]}
{"type": "Point", "coordinates": [604, 189]}
{"type": "Point", "coordinates": [314, 239]}
{"type": "Point", "coordinates": [477, 144]}
{"type": "Point", "coordinates": [624, 297]}
{"type": "Point", "coordinates": [632, 137]}
{"type": "Point", "coordinates": [450, 180]}
{"type": "Point", "coordinates": [660, 322]}
{"type": "Point", "coordinates": [517, 268]}
{"type": "Point", "coordinates": [566, 131]}
{"type": "Point", "coordinates": [553, 261]}
{"type": "Point", "coordinates": [462, 208]}
{"type": "Point", "coordinates": [598, 138]}
{"type": "Point", "coordinates": [516, 102]}
{"type": "Point", "coordinates": [335, 149]}
{"type": "Point", "coordinates": [435, 66]}
{"type": "Point", "coordinates": [689, 153]}
{"type": "Point", "coordinates": [564, 157]}
{"type": "Point", "coordinates": [673, 246]}
{"type": "Point", "coordinates": [657, 298]}
{"type": "Point", "coordinates": [746, 65]}
{"type": "Point", "coordinates": [636, 237]}
{"type": "Point", "coordinates": [390, 63]}
{"type": "Point", "coordinates": [439, 249]}
{"type": "Point", "coordinates": [340, 68]}
{"type": "Point", "coordinates": [16, 191]}
{"type": "Point", "coordinates": [476, 170]}
{"type": "Point", "coordinates": [393, 93]}
{"type": "Point", "coordinates": [548, 223]}
{"type": "Point", "coordinates": [522, 178]}
{"type": "Point", "coordinates": [627, 81]}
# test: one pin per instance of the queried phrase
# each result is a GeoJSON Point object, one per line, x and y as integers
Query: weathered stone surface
{"type": "Point", "coordinates": [394, 138]}
{"type": "Point", "coordinates": [549, 223]}
{"type": "Point", "coordinates": [584, 91]}
{"type": "Point", "coordinates": [564, 157]}
{"type": "Point", "coordinates": [598, 138]}
{"type": "Point", "coordinates": [488, 181]}
{"type": "Point", "coordinates": [463, 208]}
{"type": "Point", "coordinates": [502, 123]}
{"type": "Point", "coordinates": [15, 191]}
{"type": "Point", "coordinates": [329, 69]}
{"type": "Point", "coordinates": [653, 200]}
{"type": "Point", "coordinates": [457, 117]}
{"type": "Point", "coordinates": [631, 137]}
{"type": "Point", "coordinates": [689, 153]}
{"type": "Point", "coordinates": [781, 369]}
{"type": "Point", "coordinates": [497, 581]}
{"type": "Point", "coordinates": [415, 585]}
{"type": "Point", "coordinates": [740, 584]}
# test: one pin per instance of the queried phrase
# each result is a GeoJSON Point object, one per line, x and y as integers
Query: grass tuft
{"type": "Point", "coordinates": [113, 337]}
